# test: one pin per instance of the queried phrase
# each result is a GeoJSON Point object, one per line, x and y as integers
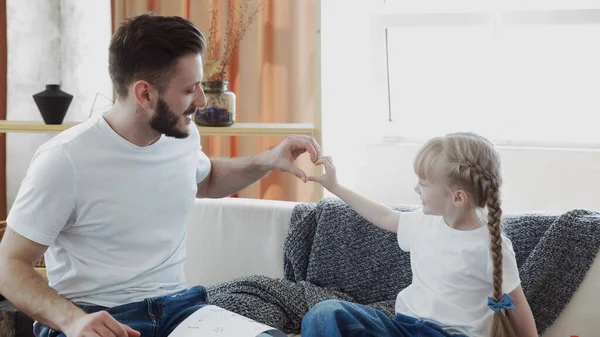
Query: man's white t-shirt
{"type": "Point", "coordinates": [452, 274]}
{"type": "Point", "coordinates": [112, 213]}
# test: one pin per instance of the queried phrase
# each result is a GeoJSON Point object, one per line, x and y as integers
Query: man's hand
{"type": "Point", "coordinates": [231, 175]}
{"type": "Point", "coordinates": [290, 149]}
{"type": "Point", "coordinates": [99, 324]}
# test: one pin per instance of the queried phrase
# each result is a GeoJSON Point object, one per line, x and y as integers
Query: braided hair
{"type": "Point", "coordinates": [470, 162]}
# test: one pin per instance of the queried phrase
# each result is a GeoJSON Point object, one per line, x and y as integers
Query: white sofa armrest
{"type": "Point", "coordinates": [233, 237]}
{"type": "Point", "coordinates": [581, 316]}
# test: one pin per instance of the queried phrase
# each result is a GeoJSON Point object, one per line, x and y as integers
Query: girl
{"type": "Point", "coordinates": [464, 284]}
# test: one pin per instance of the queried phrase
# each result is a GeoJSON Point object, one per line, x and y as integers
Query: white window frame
{"type": "Point", "coordinates": [393, 17]}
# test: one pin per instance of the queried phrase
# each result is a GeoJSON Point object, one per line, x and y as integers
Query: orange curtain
{"type": "Point", "coordinates": [271, 75]}
{"type": "Point", "coordinates": [3, 88]}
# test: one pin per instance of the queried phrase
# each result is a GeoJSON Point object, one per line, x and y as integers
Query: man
{"type": "Point", "coordinates": [107, 200]}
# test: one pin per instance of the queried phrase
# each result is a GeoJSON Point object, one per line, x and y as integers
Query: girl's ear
{"type": "Point", "coordinates": [460, 197]}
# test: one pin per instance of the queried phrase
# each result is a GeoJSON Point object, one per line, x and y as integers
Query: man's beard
{"type": "Point", "coordinates": [165, 121]}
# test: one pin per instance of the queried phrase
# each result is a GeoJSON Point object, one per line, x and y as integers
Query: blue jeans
{"type": "Point", "coordinates": [339, 318]}
{"type": "Point", "coordinates": [153, 317]}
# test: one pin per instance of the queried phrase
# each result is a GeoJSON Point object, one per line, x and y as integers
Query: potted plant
{"type": "Point", "coordinates": [220, 101]}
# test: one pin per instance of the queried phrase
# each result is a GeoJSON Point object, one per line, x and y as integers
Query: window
{"type": "Point", "coordinates": [518, 77]}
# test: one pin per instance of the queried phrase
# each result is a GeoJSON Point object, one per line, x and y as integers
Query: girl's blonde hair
{"type": "Point", "coordinates": [470, 162]}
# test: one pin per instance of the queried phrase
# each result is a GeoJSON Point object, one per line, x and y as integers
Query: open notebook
{"type": "Point", "coordinates": [214, 321]}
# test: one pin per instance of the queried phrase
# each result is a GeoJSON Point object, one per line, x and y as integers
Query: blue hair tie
{"type": "Point", "coordinates": [506, 302]}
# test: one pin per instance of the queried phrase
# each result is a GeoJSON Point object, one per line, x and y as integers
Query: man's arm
{"type": "Point", "coordinates": [49, 174]}
{"type": "Point", "coordinates": [26, 289]}
{"type": "Point", "coordinates": [230, 175]}
{"type": "Point", "coordinates": [36, 218]}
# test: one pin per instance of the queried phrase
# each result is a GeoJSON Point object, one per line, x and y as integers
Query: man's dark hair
{"type": "Point", "coordinates": [147, 47]}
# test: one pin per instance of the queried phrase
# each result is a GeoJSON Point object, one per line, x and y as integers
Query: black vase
{"type": "Point", "coordinates": [53, 103]}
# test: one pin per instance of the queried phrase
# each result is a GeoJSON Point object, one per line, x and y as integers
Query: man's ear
{"type": "Point", "coordinates": [141, 92]}
{"type": "Point", "coordinates": [460, 197]}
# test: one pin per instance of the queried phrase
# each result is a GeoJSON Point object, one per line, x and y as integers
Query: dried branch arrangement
{"type": "Point", "coordinates": [216, 63]}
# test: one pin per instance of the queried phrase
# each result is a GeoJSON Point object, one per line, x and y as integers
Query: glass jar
{"type": "Point", "coordinates": [220, 106]}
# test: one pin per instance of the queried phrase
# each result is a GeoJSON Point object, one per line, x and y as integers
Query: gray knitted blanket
{"type": "Point", "coordinates": [333, 253]}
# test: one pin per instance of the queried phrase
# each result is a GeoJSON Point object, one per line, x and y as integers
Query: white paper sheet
{"type": "Point", "coordinates": [214, 321]}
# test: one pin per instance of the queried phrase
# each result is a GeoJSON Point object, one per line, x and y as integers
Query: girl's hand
{"type": "Point", "coordinates": [329, 178]}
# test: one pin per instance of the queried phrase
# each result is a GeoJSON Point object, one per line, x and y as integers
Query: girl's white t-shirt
{"type": "Point", "coordinates": [452, 274]}
{"type": "Point", "coordinates": [113, 214]}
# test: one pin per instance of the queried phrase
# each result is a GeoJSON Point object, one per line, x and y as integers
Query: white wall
{"type": "Point", "coordinates": [52, 41]}
{"type": "Point", "coordinates": [346, 82]}
{"type": "Point", "coordinates": [534, 178]}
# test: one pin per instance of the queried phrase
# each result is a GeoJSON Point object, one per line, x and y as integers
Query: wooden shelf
{"type": "Point", "coordinates": [17, 126]}
{"type": "Point", "coordinates": [41, 270]}
{"type": "Point", "coordinates": [239, 129]}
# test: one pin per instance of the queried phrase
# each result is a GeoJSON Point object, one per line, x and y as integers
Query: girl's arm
{"type": "Point", "coordinates": [374, 212]}
{"type": "Point", "coordinates": [521, 317]}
